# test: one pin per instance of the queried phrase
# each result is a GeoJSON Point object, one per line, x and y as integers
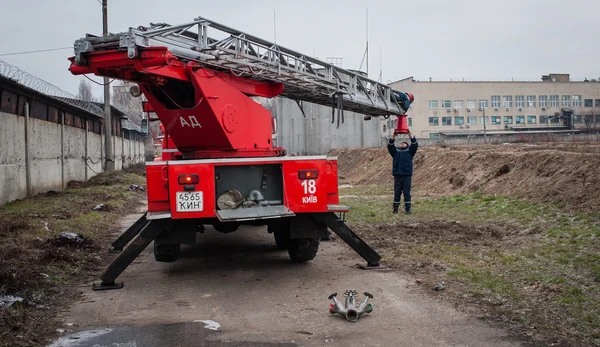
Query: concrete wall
{"type": "Point", "coordinates": [424, 91]}
{"type": "Point", "coordinates": [55, 154]}
{"type": "Point", "coordinates": [315, 134]}
{"type": "Point", "coordinates": [12, 158]}
{"type": "Point", "coordinates": [520, 138]}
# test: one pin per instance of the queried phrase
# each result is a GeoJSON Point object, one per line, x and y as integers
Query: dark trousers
{"type": "Point", "coordinates": [402, 186]}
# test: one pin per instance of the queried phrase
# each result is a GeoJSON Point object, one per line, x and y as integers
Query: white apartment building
{"type": "Point", "coordinates": [463, 108]}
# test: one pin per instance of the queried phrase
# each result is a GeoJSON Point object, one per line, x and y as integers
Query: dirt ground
{"type": "Point", "coordinates": [464, 232]}
{"type": "Point", "coordinates": [564, 173]}
{"type": "Point", "coordinates": [511, 229]}
{"type": "Point", "coordinates": [40, 267]}
{"type": "Point", "coordinates": [260, 298]}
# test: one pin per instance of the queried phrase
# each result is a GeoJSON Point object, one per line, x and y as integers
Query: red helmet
{"type": "Point", "coordinates": [410, 97]}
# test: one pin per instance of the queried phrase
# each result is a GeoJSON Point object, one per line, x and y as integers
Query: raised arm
{"type": "Point", "coordinates": [413, 144]}
{"type": "Point", "coordinates": [391, 145]}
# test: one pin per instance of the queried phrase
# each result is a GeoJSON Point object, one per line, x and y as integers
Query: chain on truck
{"type": "Point", "coordinates": [219, 165]}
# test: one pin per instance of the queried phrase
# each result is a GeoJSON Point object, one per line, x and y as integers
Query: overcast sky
{"type": "Point", "coordinates": [520, 39]}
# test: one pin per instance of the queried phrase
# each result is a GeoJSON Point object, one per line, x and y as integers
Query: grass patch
{"type": "Point", "coordinates": [39, 269]}
{"type": "Point", "coordinates": [536, 265]}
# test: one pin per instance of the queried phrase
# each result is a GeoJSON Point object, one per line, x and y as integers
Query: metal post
{"type": "Point", "coordinates": [62, 150]}
{"type": "Point", "coordinates": [109, 161]}
{"type": "Point", "coordinates": [27, 152]}
{"type": "Point", "coordinates": [85, 160]}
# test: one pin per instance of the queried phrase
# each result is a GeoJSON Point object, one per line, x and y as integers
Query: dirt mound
{"type": "Point", "coordinates": [450, 232]}
{"type": "Point", "coordinates": [561, 173]}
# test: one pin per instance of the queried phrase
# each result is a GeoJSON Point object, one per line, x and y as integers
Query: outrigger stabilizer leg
{"type": "Point", "coordinates": [129, 234]}
{"type": "Point", "coordinates": [338, 226]}
{"type": "Point", "coordinates": [145, 235]}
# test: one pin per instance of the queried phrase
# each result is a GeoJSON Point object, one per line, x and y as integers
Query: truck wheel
{"type": "Point", "coordinates": [281, 233]}
{"type": "Point", "coordinates": [282, 239]}
{"type": "Point", "coordinates": [301, 250]}
{"type": "Point", "coordinates": [225, 228]}
{"type": "Point", "coordinates": [166, 253]}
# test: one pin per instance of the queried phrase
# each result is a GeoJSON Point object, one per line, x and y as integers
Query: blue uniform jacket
{"type": "Point", "coordinates": [402, 99]}
{"type": "Point", "coordinates": [403, 158]}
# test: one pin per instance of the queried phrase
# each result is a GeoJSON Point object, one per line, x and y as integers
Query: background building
{"type": "Point", "coordinates": [456, 108]}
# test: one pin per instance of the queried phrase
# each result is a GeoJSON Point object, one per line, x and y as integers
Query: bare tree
{"type": "Point", "coordinates": [124, 101]}
{"type": "Point", "coordinates": [85, 91]}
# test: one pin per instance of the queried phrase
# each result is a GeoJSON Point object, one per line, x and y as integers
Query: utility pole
{"type": "Point", "coordinates": [367, 53]}
{"type": "Point", "coordinates": [109, 161]}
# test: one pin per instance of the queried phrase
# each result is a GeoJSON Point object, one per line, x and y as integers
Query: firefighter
{"type": "Point", "coordinates": [403, 99]}
{"type": "Point", "coordinates": [402, 169]}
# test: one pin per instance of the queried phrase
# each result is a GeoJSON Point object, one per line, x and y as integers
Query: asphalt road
{"type": "Point", "coordinates": [253, 295]}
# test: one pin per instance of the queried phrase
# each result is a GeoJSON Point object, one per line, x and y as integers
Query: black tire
{"type": "Point", "coordinates": [166, 253]}
{"type": "Point", "coordinates": [225, 228]}
{"type": "Point", "coordinates": [281, 232]}
{"type": "Point", "coordinates": [301, 250]}
{"type": "Point", "coordinates": [282, 239]}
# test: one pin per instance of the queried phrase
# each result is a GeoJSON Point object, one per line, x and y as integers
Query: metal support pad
{"type": "Point", "coordinates": [345, 233]}
{"type": "Point", "coordinates": [130, 233]}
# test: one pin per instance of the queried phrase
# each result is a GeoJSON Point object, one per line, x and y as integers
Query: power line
{"type": "Point", "coordinates": [38, 51]}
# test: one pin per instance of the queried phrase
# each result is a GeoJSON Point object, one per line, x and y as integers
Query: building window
{"type": "Point", "coordinates": [578, 118]}
{"type": "Point", "coordinates": [484, 120]}
{"type": "Point", "coordinates": [531, 119]}
{"type": "Point", "coordinates": [447, 104]}
{"type": "Point", "coordinates": [588, 103]}
{"type": "Point", "coordinates": [495, 101]}
{"type": "Point", "coordinates": [508, 119]}
{"type": "Point", "coordinates": [471, 103]}
{"type": "Point", "coordinates": [483, 104]}
{"type": "Point", "coordinates": [496, 120]}
{"type": "Point", "coordinates": [543, 119]}
{"type": "Point", "coordinates": [434, 135]}
{"type": "Point", "coordinates": [410, 122]}
{"type": "Point", "coordinates": [519, 101]}
{"type": "Point", "coordinates": [446, 120]}
{"type": "Point", "coordinates": [554, 120]}
{"type": "Point", "coordinates": [530, 100]}
{"type": "Point", "coordinates": [434, 121]}
{"type": "Point", "coordinates": [543, 100]}
{"type": "Point", "coordinates": [507, 101]}
{"type": "Point", "coordinates": [472, 120]}
{"type": "Point", "coordinates": [458, 104]}
{"type": "Point", "coordinates": [520, 120]}
{"type": "Point", "coordinates": [433, 104]}
{"type": "Point", "coordinates": [459, 120]}
{"type": "Point", "coordinates": [597, 102]}
{"type": "Point", "coordinates": [566, 101]}
{"type": "Point", "coordinates": [553, 100]}
{"type": "Point", "coordinates": [384, 128]}
{"type": "Point", "coordinates": [589, 119]}
{"type": "Point", "coordinates": [576, 100]}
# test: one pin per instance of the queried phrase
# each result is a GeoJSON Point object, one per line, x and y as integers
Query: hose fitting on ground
{"type": "Point", "coordinates": [351, 310]}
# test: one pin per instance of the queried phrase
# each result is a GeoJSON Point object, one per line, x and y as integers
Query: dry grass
{"type": "Point", "coordinates": [533, 266]}
{"type": "Point", "coordinates": [33, 266]}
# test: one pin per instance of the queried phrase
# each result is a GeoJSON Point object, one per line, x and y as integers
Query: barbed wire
{"type": "Point", "coordinates": [30, 81]}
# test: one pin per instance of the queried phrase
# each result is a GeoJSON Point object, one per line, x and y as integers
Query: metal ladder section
{"type": "Point", "coordinates": [144, 231]}
{"type": "Point", "coordinates": [304, 78]}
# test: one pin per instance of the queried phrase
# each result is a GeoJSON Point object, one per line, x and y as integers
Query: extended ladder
{"type": "Point", "coordinates": [304, 78]}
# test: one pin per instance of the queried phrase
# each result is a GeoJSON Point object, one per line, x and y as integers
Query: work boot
{"type": "Point", "coordinates": [408, 212]}
{"type": "Point", "coordinates": [407, 208]}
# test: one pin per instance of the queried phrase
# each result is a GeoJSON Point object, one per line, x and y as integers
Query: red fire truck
{"type": "Point", "coordinates": [219, 165]}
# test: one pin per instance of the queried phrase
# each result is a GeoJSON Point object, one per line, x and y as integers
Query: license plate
{"type": "Point", "coordinates": [189, 201]}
